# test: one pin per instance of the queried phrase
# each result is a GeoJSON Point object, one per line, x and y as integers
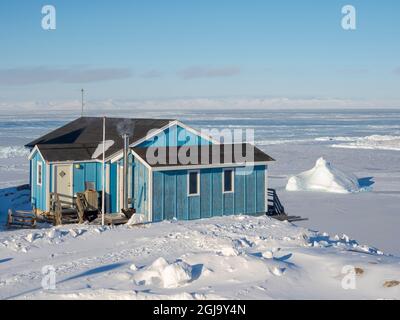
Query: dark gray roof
{"type": "Point", "coordinates": [79, 139]}
{"type": "Point", "coordinates": [67, 152]}
{"type": "Point", "coordinates": [202, 155]}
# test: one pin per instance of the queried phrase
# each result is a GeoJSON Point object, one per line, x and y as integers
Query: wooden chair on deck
{"type": "Point", "coordinates": [85, 210]}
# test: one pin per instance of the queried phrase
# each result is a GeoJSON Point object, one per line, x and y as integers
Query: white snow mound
{"type": "Point", "coordinates": [166, 275]}
{"type": "Point", "coordinates": [324, 177]}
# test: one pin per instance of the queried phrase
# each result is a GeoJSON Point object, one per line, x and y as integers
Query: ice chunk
{"type": "Point", "coordinates": [136, 219]}
{"type": "Point", "coordinates": [176, 274]}
{"type": "Point", "coordinates": [228, 252]}
{"type": "Point", "coordinates": [268, 255]}
{"type": "Point", "coordinates": [54, 233]}
{"type": "Point", "coordinates": [31, 237]}
{"type": "Point", "coordinates": [133, 267]}
{"type": "Point", "coordinates": [324, 177]}
{"type": "Point", "coordinates": [165, 275]}
{"type": "Point", "coordinates": [277, 271]}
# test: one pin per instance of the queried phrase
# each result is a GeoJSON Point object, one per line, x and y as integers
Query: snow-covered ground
{"type": "Point", "coordinates": [230, 257]}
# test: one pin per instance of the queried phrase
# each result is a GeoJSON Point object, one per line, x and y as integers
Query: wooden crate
{"type": "Point", "coordinates": [92, 198]}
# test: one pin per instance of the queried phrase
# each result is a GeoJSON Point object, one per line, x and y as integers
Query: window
{"type": "Point", "coordinates": [228, 180]}
{"type": "Point", "coordinates": [194, 183]}
{"type": "Point", "coordinates": [89, 185]}
{"type": "Point", "coordinates": [39, 173]}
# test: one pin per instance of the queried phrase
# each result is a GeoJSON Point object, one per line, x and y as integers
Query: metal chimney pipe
{"type": "Point", "coordinates": [125, 171]}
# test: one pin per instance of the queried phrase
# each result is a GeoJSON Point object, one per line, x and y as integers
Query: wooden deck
{"type": "Point", "coordinates": [285, 217]}
{"type": "Point", "coordinates": [111, 219]}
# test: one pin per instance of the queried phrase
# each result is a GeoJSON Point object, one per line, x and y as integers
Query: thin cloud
{"type": "Point", "coordinates": [37, 75]}
{"type": "Point", "coordinates": [397, 71]}
{"type": "Point", "coordinates": [150, 74]}
{"type": "Point", "coordinates": [115, 107]}
{"type": "Point", "coordinates": [197, 72]}
{"type": "Point", "coordinates": [354, 71]}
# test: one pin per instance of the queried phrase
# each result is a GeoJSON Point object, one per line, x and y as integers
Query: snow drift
{"type": "Point", "coordinates": [324, 177]}
{"type": "Point", "coordinates": [275, 260]}
{"type": "Point", "coordinates": [164, 274]}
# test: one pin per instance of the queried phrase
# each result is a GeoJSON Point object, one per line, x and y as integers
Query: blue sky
{"type": "Point", "coordinates": [158, 49]}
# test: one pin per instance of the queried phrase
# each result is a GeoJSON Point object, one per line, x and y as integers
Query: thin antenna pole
{"type": "Point", "coordinates": [83, 101]}
{"type": "Point", "coordinates": [104, 174]}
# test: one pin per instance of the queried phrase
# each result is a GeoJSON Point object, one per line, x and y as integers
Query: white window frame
{"type": "Point", "coordinates": [198, 183]}
{"type": "Point", "coordinates": [39, 164]}
{"type": "Point", "coordinates": [233, 180]}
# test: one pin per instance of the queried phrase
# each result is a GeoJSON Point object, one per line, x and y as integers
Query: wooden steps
{"type": "Point", "coordinates": [275, 207]}
{"type": "Point", "coordinates": [80, 212]}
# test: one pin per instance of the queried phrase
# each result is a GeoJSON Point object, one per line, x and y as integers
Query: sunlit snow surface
{"type": "Point", "coordinates": [228, 257]}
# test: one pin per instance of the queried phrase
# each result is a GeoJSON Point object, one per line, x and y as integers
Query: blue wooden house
{"type": "Point", "coordinates": [67, 161]}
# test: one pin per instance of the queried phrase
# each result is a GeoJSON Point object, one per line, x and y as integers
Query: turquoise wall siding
{"type": "Point", "coordinates": [113, 187]}
{"type": "Point", "coordinates": [38, 193]}
{"type": "Point", "coordinates": [175, 136]}
{"type": "Point", "coordinates": [87, 172]}
{"type": "Point", "coordinates": [170, 198]}
{"type": "Point", "coordinates": [140, 187]}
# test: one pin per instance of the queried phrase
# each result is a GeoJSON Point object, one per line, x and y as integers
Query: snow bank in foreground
{"type": "Point", "coordinates": [324, 177]}
{"type": "Point", "coordinates": [13, 151]}
{"type": "Point", "coordinates": [270, 260]}
{"type": "Point", "coordinates": [165, 275]}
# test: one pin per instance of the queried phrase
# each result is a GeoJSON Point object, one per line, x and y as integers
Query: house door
{"type": "Point", "coordinates": [63, 177]}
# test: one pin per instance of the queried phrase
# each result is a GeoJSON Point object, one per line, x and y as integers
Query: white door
{"type": "Point", "coordinates": [63, 177]}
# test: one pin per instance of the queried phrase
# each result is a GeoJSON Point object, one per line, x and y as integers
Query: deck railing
{"type": "Point", "coordinates": [275, 206]}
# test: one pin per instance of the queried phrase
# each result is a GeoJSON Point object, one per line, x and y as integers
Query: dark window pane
{"type": "Point", "coordinates": [89, 185]}
{"type": "Point", "coordinates": [228, 181]}
{"type": "Point", "coordinates": [39, 173]}
{"type": "Point", "coordinates": [193, 183]}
